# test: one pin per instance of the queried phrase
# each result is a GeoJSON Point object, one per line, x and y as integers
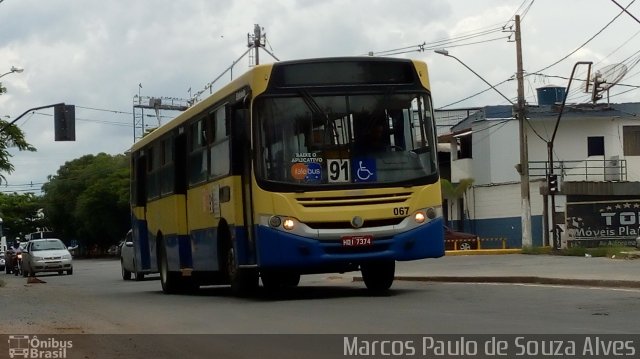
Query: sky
{"type": "Point", "coordinates": [98, 55]}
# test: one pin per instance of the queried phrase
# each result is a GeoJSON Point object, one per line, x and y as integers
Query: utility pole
{"type": "Point", "coordinates": [256, 41]}
{"type": "Point", "coordinates": [257, 37]}
{"type": "Point", "coordinates": [524, 149]}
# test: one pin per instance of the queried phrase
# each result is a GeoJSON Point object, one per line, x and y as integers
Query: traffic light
{"type": "Point", "coordinates": [552, 183]}
{"type": "Point", "coordinates": [64, 122]}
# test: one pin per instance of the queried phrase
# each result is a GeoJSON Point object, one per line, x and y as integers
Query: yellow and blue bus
{"type": "Point", "coordinates": [296, 167]}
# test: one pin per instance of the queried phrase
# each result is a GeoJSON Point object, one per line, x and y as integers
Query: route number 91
{"type": "Point", "coordinates": [401, 211]}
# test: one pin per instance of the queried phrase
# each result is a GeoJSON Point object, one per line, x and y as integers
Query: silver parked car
{"type": "Point", "coordinates": [46, 255]}
{"type": "Point", "coordinates": [128, 263]}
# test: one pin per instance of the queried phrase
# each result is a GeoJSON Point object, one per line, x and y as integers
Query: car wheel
{"type": "Point", "coordinates": [126, 275]}
{"type": "Point", "coordinates": [139, 276]}
{"type": "Point", "coordinates": [70, 271]}
{"type": "Point", "coordinates": [465, 246]}
{"type": "Point", "coordinates": [378, 276]}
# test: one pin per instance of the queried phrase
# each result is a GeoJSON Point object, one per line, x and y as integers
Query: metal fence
{"type": "Point", "coordinates": [612, 169]}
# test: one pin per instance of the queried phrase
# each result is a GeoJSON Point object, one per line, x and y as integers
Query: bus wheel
{"type": "Point", "coordinates": [278, 280]}
{"type": "Point", "coordinates": [244, 281]}
{"type": "Point", "coordinates": [378, 276]}
{"type": "Point", "coordinates": [169, 281]}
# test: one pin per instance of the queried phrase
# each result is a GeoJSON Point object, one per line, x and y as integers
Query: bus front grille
{"type": "Point", "coordinates": [370, 223]}
{"type": "Point", "coordinates": [389, 198]}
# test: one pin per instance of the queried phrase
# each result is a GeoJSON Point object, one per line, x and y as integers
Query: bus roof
{"type": "Point", "coordinates": [252, 77]}
{"type": "Point", "coordinates": [244, 80]}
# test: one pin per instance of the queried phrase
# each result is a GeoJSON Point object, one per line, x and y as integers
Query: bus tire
{"type": "Point", "coordinates": [378, 276]}
{"type": "Point", "coordinates": [244, 281]}
{"type": "Point", "coordinates": [279, 280]}
{"type": "Point", "coordinates": [169, 281]}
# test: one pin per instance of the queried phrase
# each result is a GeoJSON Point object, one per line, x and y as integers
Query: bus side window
{"type": "Point", "coordinates": [219, 149]}
{"type": "Point", "coordinates": [140, 186]}
{"type": "Point", "coordinates": [180, 164]}
{"type": "Point", "coordinates": [153, 166]}
{"type": "Point", "coordinates": [197, 159]}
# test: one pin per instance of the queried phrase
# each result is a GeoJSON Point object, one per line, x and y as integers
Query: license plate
{"type": "Point", "coordinates": [357, 241]}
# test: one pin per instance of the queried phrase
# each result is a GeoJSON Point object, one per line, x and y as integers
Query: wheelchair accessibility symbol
{"type": "Point", "coordinates": [365, 170]}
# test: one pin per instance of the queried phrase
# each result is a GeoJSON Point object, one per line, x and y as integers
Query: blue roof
{"type": "Point", "coordinates": [488, 113]}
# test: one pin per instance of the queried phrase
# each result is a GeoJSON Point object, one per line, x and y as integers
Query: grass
{"type": "Point", "coordinates": [604, 251]}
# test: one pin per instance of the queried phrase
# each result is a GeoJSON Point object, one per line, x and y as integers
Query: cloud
{"type": "Point", "coordinates": [94, 53]}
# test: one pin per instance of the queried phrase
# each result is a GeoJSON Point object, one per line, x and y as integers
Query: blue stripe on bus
{"type": "Point", "coordinates": [281, 249]}
{"type": "Point", "coordinates": [205, 250]}
{"type": "Point", "coordinates": [245, 251]}
{"type": "Point", "coordinates": [184, 251]}
{"type": "Point", "coordinates": [140, 235]}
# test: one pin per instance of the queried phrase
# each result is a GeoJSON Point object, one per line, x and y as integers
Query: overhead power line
{"type": "Point", "coordinates": [625, 10]}
{"type": "Point", "coordinates": [546, 67]}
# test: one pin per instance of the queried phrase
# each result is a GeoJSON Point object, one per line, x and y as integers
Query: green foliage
{"type": "Point", "coordinates": [604, 251]}
{"type": "Point", "coordinates": [451, 192]}
{"type": "Point", "coordinates": [19, 214]}
{"type": "Point", "coordinates": [536, 250]}
{"type": "Point", "coordinates": [11, 136]}
{"type": "Point", "coordinates": [88, 200]}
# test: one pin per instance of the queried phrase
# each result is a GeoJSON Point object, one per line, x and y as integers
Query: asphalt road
{"type": "Point", "coordinates": [95, 300]}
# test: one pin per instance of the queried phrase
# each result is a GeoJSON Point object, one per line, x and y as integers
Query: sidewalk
{"type": "Point", "coordinates": [524, 268]}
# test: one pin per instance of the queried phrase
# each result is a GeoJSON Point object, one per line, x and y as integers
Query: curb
{"type": "Point", "coordinates": [604, 283]}
{"type": "Point", "coordinates": [482, 251]}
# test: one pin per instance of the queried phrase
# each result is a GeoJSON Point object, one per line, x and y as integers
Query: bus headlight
{"type": "Point", "coordinates": [419, 217]}
{"type": "Point", "coordinates": [275, 221]}
{"type": "Point", "coordinates": [431, 213]}
{"type": "Point", "coordinates": [288, 224]}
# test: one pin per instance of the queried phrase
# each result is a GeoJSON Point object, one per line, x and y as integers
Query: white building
{"type": "Point", "coordinates": [596, 156]}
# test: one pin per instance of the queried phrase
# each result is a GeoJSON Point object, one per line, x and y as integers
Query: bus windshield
{"type": "Point", "coordinates": [346, 140]}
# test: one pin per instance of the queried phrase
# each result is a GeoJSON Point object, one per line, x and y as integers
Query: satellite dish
{"type": "Point", "coordinates": [606, 77]}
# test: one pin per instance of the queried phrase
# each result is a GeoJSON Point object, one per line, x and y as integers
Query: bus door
{"type": "Point", "coordinates": [181, 180]}
{"type": "Point", "coordinates": [241, 162]}
{"type": "Point", "coordinates": [140, 231]}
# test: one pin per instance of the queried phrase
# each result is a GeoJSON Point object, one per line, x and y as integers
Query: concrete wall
{"type": "Point", "coordinates": [495, 211]}
{"type": "Point", "coordinates": [493, 205]}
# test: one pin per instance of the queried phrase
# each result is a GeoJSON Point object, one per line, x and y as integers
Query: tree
{"type": "Point", "coordinates": [11, 136]}
{"type": "Point", "coordinates": [19, 214]}
{"type": "Point", "coordinates": [452, 193]}
{"type": "Point", "coordinates": [88, 200]}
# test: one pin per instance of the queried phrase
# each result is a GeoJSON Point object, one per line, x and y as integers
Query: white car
{"type": "Point", "coordinates": [2, 264]}
{"type": "Point", "coordinates": [46, 255]}
{"type": "Point", "coordinates": [128, 262]}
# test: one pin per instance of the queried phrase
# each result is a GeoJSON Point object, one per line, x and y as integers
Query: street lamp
{"type": "Point", "coordinates": [13, 69]}
{"type": "Point", "coordinates": [523, 166]}
{"type": "Point", "coordinates": [446, 53]}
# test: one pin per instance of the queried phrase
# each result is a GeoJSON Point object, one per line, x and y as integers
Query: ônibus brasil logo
{"type": "Point", "coordinates": [26, 346]}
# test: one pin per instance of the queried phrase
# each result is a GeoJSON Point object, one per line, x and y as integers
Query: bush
{"type": "Point", "coordinates": [605, 251]}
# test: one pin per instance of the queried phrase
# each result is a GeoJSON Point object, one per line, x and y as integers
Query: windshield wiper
{"type": "Point", "coordinates": [316, 109]}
